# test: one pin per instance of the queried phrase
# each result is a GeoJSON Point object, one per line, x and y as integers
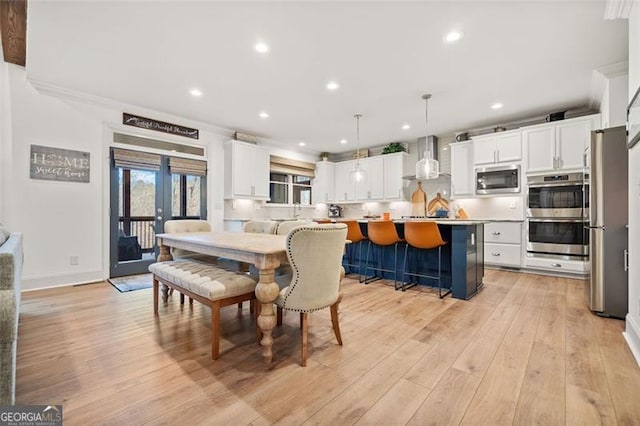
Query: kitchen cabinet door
{"type": "Point", "coordinates": [246, 171]}
{"type": "Point", "coordinates": [508, 147]}
{"type": "Point", "coordinates": [571, 141]}
{"type": "Point", "coordinates": [372, 188]}
{"type": "Point", "coordinates": [394, 169]}
{"type": "Point", "coordinates": [344, 189]}
{"type": "Point", "coordinates": [322, 189]}
{"type": "Point", "coordinates": [540, 148]}
{"type": "Point", "coordinates": [462, 171]}
{"type": "Point", "coordinates": [484, 151]}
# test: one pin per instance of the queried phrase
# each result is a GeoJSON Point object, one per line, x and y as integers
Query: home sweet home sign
{"type": "Point", "coordinates": [59, 164]}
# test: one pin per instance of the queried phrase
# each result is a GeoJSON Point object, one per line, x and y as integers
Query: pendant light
{"type": "Point", "coordinates": [358, 174]}
{"type": "Point", "coordinates": [427, 167]}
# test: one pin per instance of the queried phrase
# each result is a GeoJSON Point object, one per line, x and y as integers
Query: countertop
{"type": "Point", "coordinates": [439, 221]}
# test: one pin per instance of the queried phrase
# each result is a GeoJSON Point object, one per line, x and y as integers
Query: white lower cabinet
{"type": "Point", "coordinates": [503, 244]}
{"type": "Point", "coordinates": [554, 265]}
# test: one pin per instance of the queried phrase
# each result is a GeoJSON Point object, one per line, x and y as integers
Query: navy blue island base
{"type": "Point", "coordinates": [462, 267]}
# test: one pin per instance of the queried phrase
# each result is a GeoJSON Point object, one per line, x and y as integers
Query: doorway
{"type": "Point", "coordinates": [146, 189]}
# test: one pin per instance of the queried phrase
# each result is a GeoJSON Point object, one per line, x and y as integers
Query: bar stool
{"type": "Point", "coordinates": [423, 236]}
{"type": "Point", "coordinates": [382, 233]}
{"type": "Point", "coordinates": [354, 234]}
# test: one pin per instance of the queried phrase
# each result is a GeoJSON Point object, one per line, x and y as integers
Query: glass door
{"type": "Point", "coordinates": [146, 190]}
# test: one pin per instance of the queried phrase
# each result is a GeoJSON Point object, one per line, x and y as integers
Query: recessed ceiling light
{"type": "Point", "coordinates": [195, 92]}
{"type": "Point", "coordinates": [332, 85]}
{"type": "Point", "coordinates": [406, 127]}
{"type": "Point", "coordinates": [453, 36]}
{"type": "Point", "coordinates": [497, 105]}
{"type": "Point", "coordinates": [343, 141]}
{"type": "Point", "coordinates": [261, 47]}
{"type": "Point", "coordinates": [263, 115]}
{"type": "Point", "coordinates": [301, 143]}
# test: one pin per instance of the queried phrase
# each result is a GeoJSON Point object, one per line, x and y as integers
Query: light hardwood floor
{"type": "Point", "coordinates": [526, 350]}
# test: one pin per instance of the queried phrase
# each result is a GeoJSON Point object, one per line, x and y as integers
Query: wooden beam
{"type": "Point", "coordinates": [13, 30]}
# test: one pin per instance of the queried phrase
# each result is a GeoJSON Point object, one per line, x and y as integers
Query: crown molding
{"type": "Point", "coordinates": [104, 102]}
{"type": "Point", "coordinates": [618, 9]}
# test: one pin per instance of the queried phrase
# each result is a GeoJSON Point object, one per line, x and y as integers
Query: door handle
{"type": "Point", "coordinates": [556, 265]}
{"type": "Point", "coordinates": [626, 260]}
{"type": "Point", "coordinates": [159, 217]}
{"type": "Point", "coordinates": [495, 233]}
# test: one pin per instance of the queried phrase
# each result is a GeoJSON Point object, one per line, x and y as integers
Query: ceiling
{"type": "Point", "coordinates": [534, 57]}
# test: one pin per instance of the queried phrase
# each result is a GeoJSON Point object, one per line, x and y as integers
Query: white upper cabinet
{"type": "Point", "coordinates": [462, 183]}
{"type": "Point", "coordinates": [559, 146]}
{"type": "Point", "coordinates": [372, 189]}
{"type": "Point", "coordinates": [246, 171]}
{"type": "Point", "coordinates": [323, 184]}
{"type": "Point", "coordinates": [395, 167]}
{"type": "Point", "coordinates": [496, 148]}
{"type": "Point", "coordinates": [345, 190]}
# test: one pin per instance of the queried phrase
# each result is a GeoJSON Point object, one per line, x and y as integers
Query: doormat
{"type": "Point", "coordinates": [132, 282]}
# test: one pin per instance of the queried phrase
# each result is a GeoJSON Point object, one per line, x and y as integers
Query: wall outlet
{"type": "Point", "coordinates": [74, 260]}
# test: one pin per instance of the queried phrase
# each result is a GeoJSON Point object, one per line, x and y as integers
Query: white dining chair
{"type": "Point", "coordinates": [315, 256]}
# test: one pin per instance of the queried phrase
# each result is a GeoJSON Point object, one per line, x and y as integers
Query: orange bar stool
{"type": "Point", "coordinates": [354, 234]}
{"type": "Point", "coordinates": [382, 233]}
{"type": "Point", "coordinates": [423, 236]}
{"type": "Point", "coordinates": [322, 221]}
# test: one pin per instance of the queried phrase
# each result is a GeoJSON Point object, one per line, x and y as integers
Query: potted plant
{"type": "Point", "coordinates": [393, 147]}
{"type": "Point", "coordinates": [324, 156]}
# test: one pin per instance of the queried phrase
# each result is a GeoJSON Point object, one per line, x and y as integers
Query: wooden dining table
{"type": "Point", "coordinates": [265, 251]}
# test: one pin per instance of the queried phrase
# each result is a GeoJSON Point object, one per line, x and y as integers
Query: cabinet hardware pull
{"type": "Point", "coordinates": [495, 254]}
{"type": "Point", "coordinates": [626, 260]}
{"type": "Point", "coordinates": [556, 265]}
{"type": "Point", "coordinates": [496, 233]}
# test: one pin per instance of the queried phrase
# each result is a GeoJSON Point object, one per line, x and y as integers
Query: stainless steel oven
{"type": "Point", "coordinates": [556, 236]}
{"type": "Point", "coordinates": [557, 213]}
{"type": "Point", "coordinates": [563, 196]}
{"type": "Point", "coordinates": [498, 180]}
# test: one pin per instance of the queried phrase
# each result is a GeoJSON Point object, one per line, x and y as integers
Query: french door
{"type": "Point", "coordinates": [145, 191]}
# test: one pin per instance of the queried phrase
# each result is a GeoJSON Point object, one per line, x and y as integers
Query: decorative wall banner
{"type": "Point", "coordinates": [59, 164]}
{"type": "Point", "coordinates": [160, 126]}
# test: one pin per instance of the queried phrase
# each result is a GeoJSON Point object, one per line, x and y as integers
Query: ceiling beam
{"type": "Point", "coordinates": [13, 30]}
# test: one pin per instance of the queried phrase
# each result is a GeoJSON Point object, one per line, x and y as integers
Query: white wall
{"type": "Point", "coordinates": [5, 134]}
{"type": "Point", "coordinates": [613, 105]}
{"type": "Point", "coordinates": [632, 332]}
{"type": "Point", "coordinates": [63, 219]}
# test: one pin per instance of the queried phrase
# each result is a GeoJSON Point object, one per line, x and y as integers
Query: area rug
{"type": "Point", "coordinates": [132, 282]}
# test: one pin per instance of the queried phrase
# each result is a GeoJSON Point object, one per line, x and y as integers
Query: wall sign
{"type": "Point", "coordinates": [160, 126]}
{"type": "Point", "coordinates": [59, 164]}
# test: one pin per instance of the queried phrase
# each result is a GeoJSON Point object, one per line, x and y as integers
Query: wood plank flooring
{"type": "Point", "coordinates": [526, 350]}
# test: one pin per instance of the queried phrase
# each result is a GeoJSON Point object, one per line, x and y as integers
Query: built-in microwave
{"type": "Point", "coordinates": [498, 180]}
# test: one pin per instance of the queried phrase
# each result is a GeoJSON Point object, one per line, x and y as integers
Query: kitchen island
{"type": "Point", "coordinates": [462, 256]}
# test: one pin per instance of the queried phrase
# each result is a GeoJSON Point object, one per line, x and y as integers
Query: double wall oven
{"type": "Point", "coordinates": [557, 213]}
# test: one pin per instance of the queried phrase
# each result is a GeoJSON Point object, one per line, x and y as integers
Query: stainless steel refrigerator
{"type": "Point", "coordinates": [608, 218]}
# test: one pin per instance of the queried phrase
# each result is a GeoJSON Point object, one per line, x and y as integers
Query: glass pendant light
{"type": "Point", "coordinates": [427, 167]}
{"type": "Point", "coordinates": [358, 174]}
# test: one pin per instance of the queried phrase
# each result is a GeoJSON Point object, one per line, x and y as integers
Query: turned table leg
{"type": "Point", "coordinates": [266, 292]}
{"type": "Point", "coordinates": [165, 255]}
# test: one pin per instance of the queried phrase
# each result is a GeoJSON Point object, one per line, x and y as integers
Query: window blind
{"type": "Point", "coordinates": [186, 166]}
{"type": "Point", "coordinates": [292, 167]}
{"type": "Point", "coordinates": [136, 159]}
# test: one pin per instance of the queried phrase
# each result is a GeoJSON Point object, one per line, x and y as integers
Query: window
{"type": "Point", "coordinates": [286, 187]}
{"type": "Point", "coordinates": [185, 196]}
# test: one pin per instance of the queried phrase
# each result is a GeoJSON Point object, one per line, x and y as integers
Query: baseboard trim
{"type": "Point", "coordinates": [632, 336]}
{"type": "Point", "coordinates": [61, 280]}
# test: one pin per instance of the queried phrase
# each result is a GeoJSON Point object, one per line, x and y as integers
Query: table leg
{"type": "Point", "coordinates": [266, 292]}
{"type": "Point", "coordinates": [165, 255]}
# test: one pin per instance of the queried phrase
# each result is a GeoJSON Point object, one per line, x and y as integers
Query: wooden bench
{"type": "Point", "coordinates": [209, 284]}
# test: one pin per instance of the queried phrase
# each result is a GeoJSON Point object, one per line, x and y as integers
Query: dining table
{"type": "Point", "coordinates": [265, 251]}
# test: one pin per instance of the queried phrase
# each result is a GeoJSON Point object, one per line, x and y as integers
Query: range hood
{"type": "Point", "coordinates": [427, 146]}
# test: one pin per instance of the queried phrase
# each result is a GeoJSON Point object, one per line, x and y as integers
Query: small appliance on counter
{"type": "Point", "coordinates": [335, 211]}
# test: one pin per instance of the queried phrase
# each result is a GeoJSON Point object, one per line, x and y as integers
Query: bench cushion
{"type": "Point", "coordinates": [206, 280]}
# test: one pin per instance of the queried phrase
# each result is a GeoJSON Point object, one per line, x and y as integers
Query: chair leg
{"type": "Point", "coordinates": [335, 322]}
{"type": "Point", "coordinates": [240, 305]}
{"type": "Point", "coordinates": [252, 306]}
{"type": "Point", "coordinates": [279, 315]}
{"type": "Point", "coordinates": [303, 330]}
{"type": "Point", "coordinates": [215, 330]}
{"type": "Point", "coordinates": [156, 289]}
{"type": "Point", "coordinates": [181, 299]}
{"type": "Point", "coordinates": [190, 301]}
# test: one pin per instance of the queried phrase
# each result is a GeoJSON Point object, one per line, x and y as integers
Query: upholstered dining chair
{"type": "Point", "coordinates": [261, 226]}
{"type": "Point", "coordinates": [315, 256]}
{"type": "Point", "coordinates": [286, 226]}
{"type": "Point", "coordinates": [185, 225]}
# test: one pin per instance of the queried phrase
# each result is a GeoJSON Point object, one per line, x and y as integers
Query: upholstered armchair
{"type": "Point", "coordinates": [315, 256]}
